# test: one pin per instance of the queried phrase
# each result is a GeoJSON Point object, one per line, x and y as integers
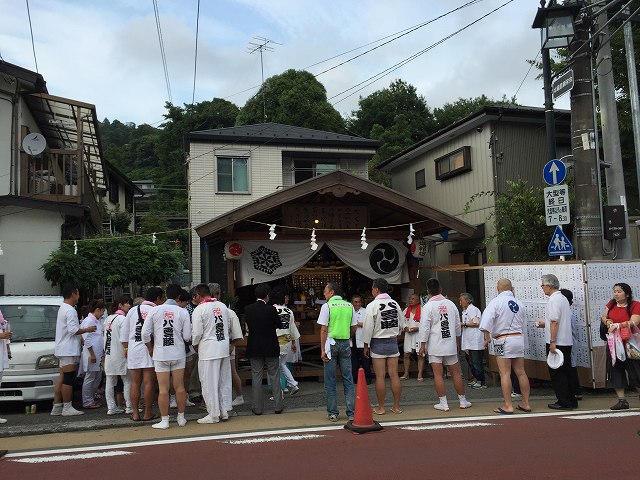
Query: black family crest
{"type": "Point", "coordinates": [384, 259]}
{"type": "Point", "coordinates": [265, 260]}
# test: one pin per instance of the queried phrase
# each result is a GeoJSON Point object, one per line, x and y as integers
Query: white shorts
{"type": "Point", "coordinates": [411, 343]}
{"type": "Point", "coordinates": [444, 359]}
{"type": "Point", "coordinates": [169, 365]}
{"type": "Point", "coordinates": [64, 361]}
{"type": "Point", "coordinates": [509, 347]}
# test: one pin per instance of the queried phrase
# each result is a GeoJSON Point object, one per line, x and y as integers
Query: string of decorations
{"type": "Point", "coordinates": [272, 235]}
{"type": "Point", "coordinates": [80, 241]}
{"type": "Point", "coordinates": [363, 234]}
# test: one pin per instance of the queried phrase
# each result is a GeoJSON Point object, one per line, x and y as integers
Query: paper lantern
{"type": "Point", "coordinates": [419, 249]}
{"type": "Point", "coordinates": [233, 250]}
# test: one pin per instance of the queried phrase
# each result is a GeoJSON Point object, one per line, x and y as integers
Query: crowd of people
{"type": "Point", "coordinates": [145, 349]}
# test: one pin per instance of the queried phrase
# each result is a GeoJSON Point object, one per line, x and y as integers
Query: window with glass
{"type": "Point", "coordinates": [306, 169]}
{"type": "Point", "coordinates": [233, 174]}
{"type": "Point", "coordinates": [114, 190]}
{"type": "Point", "coordinates": [453, 164]}
{"type": "Point", "coordinates": [421, 180]}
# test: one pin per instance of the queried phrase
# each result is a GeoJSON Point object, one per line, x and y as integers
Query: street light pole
{"type": "Point", "coordinates": [550, 120]}
{"type": "Point", "coordinates": [588, 229]}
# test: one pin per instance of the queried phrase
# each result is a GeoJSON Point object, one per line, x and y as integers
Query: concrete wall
{"type": "Point", "coordinates": [28, 237]}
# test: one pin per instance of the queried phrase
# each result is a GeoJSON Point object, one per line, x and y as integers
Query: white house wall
{"type": "Point", "coordinates": [28, 237]}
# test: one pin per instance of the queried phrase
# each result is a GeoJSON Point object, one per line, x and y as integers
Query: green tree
{"type": "Point", "coordinates": [396, 116]}
{"type": "Point", "coordinates": [294, 97]}
{"type": "Point", "coordinates": [113, 261]}
{"type": "Point", "coordinates": [451, 112]}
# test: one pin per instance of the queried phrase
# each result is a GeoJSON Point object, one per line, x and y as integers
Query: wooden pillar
{"type": "Point", "coordinates": [231, 283]}
{"type": "Point", "coordinates": [413, 267]}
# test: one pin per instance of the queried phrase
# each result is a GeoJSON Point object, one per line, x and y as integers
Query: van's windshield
{"type": "Point", "coordinates": [31, 323]}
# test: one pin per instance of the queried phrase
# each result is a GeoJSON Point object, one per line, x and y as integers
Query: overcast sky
{"type": "Point", "coordinates": [107, 52]}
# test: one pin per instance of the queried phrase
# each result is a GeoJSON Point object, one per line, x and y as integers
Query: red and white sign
{"type": "Point", "coordinates": [233, 250]}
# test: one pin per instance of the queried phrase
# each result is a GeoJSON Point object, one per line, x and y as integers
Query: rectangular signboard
{"type": "Point", "coordinates": [556, 205]}
{"type": "Point", "coordinates": [562, 84]}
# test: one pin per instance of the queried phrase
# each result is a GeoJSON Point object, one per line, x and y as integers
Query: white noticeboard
{"type": "Point", "coordinates": [592, 286]}
{"type": "Point", "coordinates": [556, 205]}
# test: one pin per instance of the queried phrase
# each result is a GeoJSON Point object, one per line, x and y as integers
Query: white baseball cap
{"type": "Point", "coordinates": [555, 360]}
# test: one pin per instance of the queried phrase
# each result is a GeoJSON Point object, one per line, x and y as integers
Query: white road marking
{"type": "Point", "coordinates": [603, 415]}
{"type": "Point", "coordinates": [443, 426]}
{"type": "Point", "coordinates": [64, 458]}
{"type": "Point", "coordinates": [278, 438]}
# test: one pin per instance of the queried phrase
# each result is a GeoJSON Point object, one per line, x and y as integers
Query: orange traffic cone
{"type": "Point", "coordinates": [363, 419]}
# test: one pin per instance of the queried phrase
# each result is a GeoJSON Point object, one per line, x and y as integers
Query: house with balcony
{"type": "Point", "coordinates": [52, 176]}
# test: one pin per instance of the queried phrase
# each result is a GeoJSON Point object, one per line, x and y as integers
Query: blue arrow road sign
{"type": "Point", "coordinates": [554, 172]}
{"type": "Point", "coordinates": [559, 244]}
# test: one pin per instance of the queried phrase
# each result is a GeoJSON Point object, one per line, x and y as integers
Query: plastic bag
{"type": "Point", "coordinates": [611, 342]}
{"type": "Point", "coordinates": [620, 351]}
{"type": "Point", "coordinates": [632, 346]}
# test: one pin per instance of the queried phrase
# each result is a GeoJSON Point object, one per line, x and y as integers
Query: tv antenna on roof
{"type": "Point", "coordinates": [262, 46]}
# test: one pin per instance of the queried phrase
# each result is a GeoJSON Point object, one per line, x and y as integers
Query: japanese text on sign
{"type": "Point", "coordinates": [556, 203]}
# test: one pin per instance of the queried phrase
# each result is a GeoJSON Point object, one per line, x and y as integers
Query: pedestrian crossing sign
{"type": "Point", "coordinates": [559, 244]}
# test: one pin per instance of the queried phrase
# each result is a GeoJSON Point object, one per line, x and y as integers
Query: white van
{"type": "Point", "coordinates": [33, 368]}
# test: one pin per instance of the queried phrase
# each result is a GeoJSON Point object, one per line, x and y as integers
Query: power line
{"type": "Point", "coordinates": [162, 54]}
{"type": "Point", "coordinates": [393, 68]}
{"type": "Point", "coordinates": [195, 58]}
{"type": "Point", "coordinates": [33, 45]}
{"type": "Point", "coordinates": [395, 36]}
{"type": "Point", "coordinates": [527, 74]}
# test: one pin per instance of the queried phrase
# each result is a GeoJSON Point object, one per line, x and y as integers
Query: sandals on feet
{"type": "Point", "coordinates": [378, 412]}
{"type": "Point", "coordinates": [397, 412]}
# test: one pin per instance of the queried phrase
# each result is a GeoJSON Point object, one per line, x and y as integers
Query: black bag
{"type": "Point", "coordinates": [603, 331]}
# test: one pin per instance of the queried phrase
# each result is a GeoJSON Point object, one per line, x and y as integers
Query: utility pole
{"type": "Point", "coordinates": [260, 47]}
{"type": "Point", "coordinates": [588, 228]}
{"type": "Point", "coordinates": [633, 93]}
{"type": "Point", "coordinates": [616, 194]}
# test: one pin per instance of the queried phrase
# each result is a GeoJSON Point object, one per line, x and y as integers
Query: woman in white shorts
{"type": "Point", "coordinates": [380, 330]}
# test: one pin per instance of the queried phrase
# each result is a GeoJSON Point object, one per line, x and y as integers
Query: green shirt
{"type": "Point", "coordinates": [340, 318]}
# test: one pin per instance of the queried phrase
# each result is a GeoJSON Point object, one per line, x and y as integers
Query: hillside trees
{"type": "Point", "coordinates": [397, 116]}
{"type": "Point", "coordinates": [294, 97]}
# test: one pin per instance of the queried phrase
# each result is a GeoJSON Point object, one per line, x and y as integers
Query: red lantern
{"type": "Point", "coordinates": [233, 250]}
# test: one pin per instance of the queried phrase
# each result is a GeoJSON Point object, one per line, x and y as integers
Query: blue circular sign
{"type": "Point", "coordinates": [554, 172]}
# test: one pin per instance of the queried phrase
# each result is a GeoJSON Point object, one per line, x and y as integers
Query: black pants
{"type": "Point", "coordinates": [563, 379]}
{"type": "Point", "coordinates": [359, 360]}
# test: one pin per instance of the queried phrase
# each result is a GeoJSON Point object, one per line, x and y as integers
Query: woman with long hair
{"type": "Point", "coordinates": [621, 312]}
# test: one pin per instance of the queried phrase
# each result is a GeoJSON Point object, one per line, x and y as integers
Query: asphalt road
{"type": "Point", "coordinates": [524, 446]}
